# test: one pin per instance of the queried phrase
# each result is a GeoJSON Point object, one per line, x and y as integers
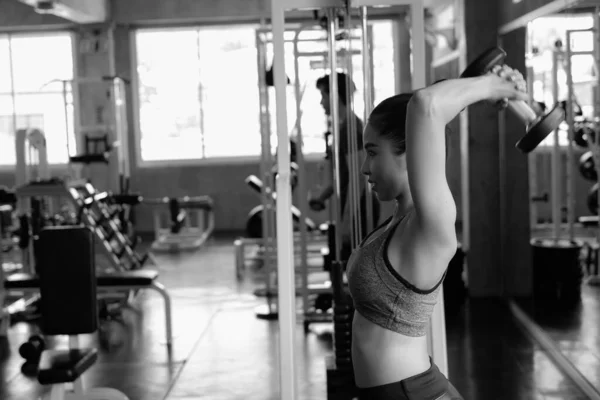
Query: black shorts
{"type": "Point", "coordinates": [428, 385]}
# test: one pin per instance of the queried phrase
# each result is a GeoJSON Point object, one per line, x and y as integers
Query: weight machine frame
{"type": "Point", "coordinates": [303, 238]}
{"type": "Point", "coordinates": [31, 152]}
{"type": "Point", "coordinates": [116, 128]}
{"type": "Point", "coordinates": [595, 147]}
{"type": "Point", "coordinates": [287, 307]}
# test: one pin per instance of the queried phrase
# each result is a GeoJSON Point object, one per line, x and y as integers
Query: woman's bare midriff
{"type": "Point", "coordinates": [381, 356]}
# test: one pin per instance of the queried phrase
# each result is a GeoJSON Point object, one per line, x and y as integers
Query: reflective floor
{"type": "Point", "coordinates": [575, 332]}
{"type": "Point", "coordinates": [222, 351]}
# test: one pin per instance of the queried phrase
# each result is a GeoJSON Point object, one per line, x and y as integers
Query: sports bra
{"type": "Point", "coordinates": [381, 295]}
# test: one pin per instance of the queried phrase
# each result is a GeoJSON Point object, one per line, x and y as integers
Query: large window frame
{"type": "Point", "coordinates": [136, 103]}
{"type": "Point", "coordinates": [56, 30]}
{"type": "Point", "coordinates": [226, 160]}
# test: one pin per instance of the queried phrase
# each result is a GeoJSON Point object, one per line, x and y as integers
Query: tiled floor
{"type": "Point", "coordinates": [222, 351]}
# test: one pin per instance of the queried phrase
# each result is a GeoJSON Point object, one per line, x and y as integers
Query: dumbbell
{"type": "Point", "coordinates": [33, 348]}
{"type": "Point", "coordinates": [31, 351]}
{"type": "Point", "coordinates": [538, 126]}
{"type": "Point", "coordinates": [316, 204]}
{"type": "Point", "coordinates": [587, 166]}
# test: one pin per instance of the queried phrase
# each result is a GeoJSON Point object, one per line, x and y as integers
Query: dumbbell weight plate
{"type": "Point", "coordinates": [541, 129]}
{"type": "Point", "coordinates": [587, 168]}
{"type": "Point", "coordinates": [580, 137]}
{"type": "Point", "coordinates": [592, 199]}
{"type": "Point", "coordinates": [484, 63]}
{"type": "Point", "coordinates": [29, 369]}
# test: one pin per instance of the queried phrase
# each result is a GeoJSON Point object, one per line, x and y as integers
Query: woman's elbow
{"type": "Point", "coordinates": [423, 101]}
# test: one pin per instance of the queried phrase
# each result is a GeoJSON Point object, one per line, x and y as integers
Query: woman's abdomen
{"type": "Point", "coordinates": [381, 356]}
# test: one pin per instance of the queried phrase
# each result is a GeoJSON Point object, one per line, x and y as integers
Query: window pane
{"type": "Point", "coordinates": [230, 98]}
{"type": "Point", "coordinates": [46, 111]}
{"type": "Point", "coordinates": [169, 89]}
{"type": "Point", "coordinates": [314, 120]}
{"type": "Point", "coordinates": [5, 82]}
{"type": "Point", "coordinates": [7, 137]}
{"type": "Point", "coordinates": [30, 52]}
{"type": "Point", "coordinates": [383, 61]}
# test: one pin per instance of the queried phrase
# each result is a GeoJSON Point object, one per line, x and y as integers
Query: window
{"type": "Point", "coordinates": [313, 63]}
{"type": "Point", "coordinates": [543, 34]}
{"type": "Point", "coordinates": [200, 98]}
{"type": "Point", "coordinates": [28, 63]}
{"type": "Point", "coordinates": [197, 93]}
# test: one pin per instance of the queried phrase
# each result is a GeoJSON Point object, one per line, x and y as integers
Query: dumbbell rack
{"type": "Point", "coordinates": [104, 221]}
{"type": "Point", "coordinates": [96, 214]}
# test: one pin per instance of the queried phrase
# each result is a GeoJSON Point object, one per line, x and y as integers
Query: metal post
{"type": "Point", "coordinates": [532, 164]}
{"type": "Point", "coordinates": [571, 134]}
{"type": "Point", "coordinates": [595, 148]}
{"type": "Point", "coordinates": [556, 186]}
{"type": "Point", "coordinates": [353, 196]}
{"type": "Point", "coordinates": [368, 100]}
{"type": "Point", "coordinates": [285, 253]}
{"type": "Point", "coordinates": [335, 127]}
{"type": "Point", "coordinates": [301, 180]}
{"type": "Point", "coordinates": [265, 171]}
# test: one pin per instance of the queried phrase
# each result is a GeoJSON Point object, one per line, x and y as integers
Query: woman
{"type": "Point", "coordinates": [394, 276]}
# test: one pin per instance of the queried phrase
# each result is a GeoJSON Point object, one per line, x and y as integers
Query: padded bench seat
{"type": "Point", "coordinates": [137, 279]}
{"type": "Point", "coordinates": [587, 221]}
{"type": "Point", "coordinates": [21, 281]}
{"type": "Point", "coordinates": [125, 279]}
{"type": "Point", "coordinates": [91, 158]}
{"type": "Point", "coordinates": [62, 366]}
{"type": "Point", "coordinates": [140, 277]}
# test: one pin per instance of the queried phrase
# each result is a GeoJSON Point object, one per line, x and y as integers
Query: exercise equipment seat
{"type": "Point", "coordinates": [67, 284]}
{"type": "Point", "coordinates": [7, 196]}
{"type": "Point", "coordinates": [135, 279]}
{"type": "Point", "coordinates": [21, 280]}
{"type": "Point", "coordinates": [103, 158]}
{"type": "Point", "coordinates": [129, 199]}
{"type": "Point", "coordinates": [588, 221]}
{"type": "Point", "coordinates": [138, 277]}
{"type": "Point", "coordinates": [62, 366]}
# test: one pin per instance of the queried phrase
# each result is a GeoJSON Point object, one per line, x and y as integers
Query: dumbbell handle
{"type": "Point", "coordinates": [523, 111]}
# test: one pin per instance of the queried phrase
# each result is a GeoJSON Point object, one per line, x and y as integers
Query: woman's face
{"type": "Point", "coordinates": [385, 169]}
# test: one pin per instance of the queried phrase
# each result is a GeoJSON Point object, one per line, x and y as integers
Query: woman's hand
{"type": "Point", "coordinates": [505, 84]}
{"type": "Point", "coordinates": [445, 99]}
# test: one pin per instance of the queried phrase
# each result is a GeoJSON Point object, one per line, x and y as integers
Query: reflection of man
{"type": "Point", "coordinates": [317, 200]}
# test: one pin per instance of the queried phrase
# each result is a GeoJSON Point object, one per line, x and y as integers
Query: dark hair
{"type": "Point", "coordinates": [388, 118]}
{"type": "Point", "coordinates": [343, 82]}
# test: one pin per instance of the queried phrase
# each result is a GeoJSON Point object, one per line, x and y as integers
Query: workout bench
{"type": "Point", "coordinates": [183, 233]}
{"type": "Point", "coordinates": [106, 282]}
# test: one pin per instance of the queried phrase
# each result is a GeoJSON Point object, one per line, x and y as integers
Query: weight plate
{"type": "Point", "coordinates": [484, 63]}
{"type": "Point", "coordinates": [592, 199]}
{"type": "Point", "coordinates": [580, 136]}
{"type": "Point", "coordinates": [587, 167]}
{"type": "Point", "coordinates": [541, 129]}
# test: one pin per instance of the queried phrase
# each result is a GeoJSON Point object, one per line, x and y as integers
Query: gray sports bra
{"type": "Point", "coordinates": [381, 295]}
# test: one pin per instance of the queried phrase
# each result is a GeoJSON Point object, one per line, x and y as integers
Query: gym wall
{"type": "Point", "coordinates": [225, 183]}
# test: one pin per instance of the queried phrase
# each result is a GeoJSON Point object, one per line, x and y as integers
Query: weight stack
{"type": "Point", "coordinates": [557, 272]}
{"type": "Point", "coordinates": [340, 375]}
